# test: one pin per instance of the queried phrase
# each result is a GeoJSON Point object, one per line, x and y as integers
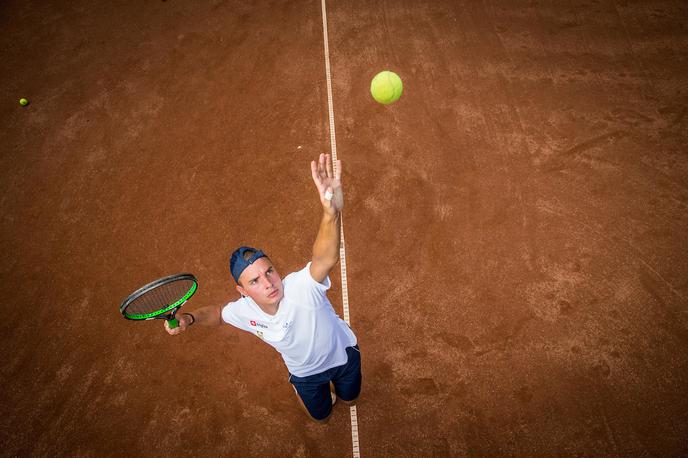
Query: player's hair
{"type": "Point", "coordinates": [248, 254]}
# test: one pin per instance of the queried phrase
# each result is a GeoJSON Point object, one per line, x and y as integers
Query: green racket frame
{"type": "Point", "coordinates": [168, 311]}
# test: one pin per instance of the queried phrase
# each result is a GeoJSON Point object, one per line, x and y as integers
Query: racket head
{"type": "Point", "coordinates": [160, 298]}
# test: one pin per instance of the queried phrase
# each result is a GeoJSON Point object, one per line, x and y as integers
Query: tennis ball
{"type": "Point", "coordinates": [386, 87]}
{"type": "Point", "coordinates": [23, 102]}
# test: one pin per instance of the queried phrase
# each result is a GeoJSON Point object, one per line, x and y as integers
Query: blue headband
{"type": "Point", "coordinates": [237, 263]}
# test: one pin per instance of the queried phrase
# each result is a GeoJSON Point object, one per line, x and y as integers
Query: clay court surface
{"type": "Point", "coordinates": [516, 225]}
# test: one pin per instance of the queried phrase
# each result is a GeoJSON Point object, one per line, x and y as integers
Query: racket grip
{"type": "Point", "coordinates": [173, 323]}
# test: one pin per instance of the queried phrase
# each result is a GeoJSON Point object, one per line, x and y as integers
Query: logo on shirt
{"type": "Point", "coordinates": [260, 325]}
{"type": "Point", "coordinates": [260, 334]}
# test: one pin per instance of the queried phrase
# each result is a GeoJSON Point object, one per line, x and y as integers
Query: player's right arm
{"type": "Point", "coordinates": [210, 315]}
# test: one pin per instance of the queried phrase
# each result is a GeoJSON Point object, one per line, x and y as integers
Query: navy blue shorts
{"type": "Point", "coordinates": [314, 390]}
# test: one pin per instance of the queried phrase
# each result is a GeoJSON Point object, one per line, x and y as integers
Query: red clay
{"type": "Point", "coordinates": [515, 224]}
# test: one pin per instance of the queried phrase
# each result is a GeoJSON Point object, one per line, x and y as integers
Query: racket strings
{"type": "Point", "coordinates": [159, 297]}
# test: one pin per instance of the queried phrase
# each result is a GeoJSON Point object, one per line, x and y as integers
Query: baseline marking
{"type": "Point", "coordinates": [342, 250]}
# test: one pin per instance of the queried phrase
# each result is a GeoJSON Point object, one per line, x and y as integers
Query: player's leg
{"type": "Point", "coordinates": [313, 393]}
{"type": "Point", "coordinates": [347, 379]}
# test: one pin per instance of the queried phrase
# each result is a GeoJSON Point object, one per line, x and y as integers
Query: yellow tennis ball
{"type": "Point", "coordinates": [23, 102]}
{"type": "Point", "coordinates": [386, 87]}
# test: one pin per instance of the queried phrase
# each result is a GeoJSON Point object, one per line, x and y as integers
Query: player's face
{"type": "Point", "coordinates": [261, 282]}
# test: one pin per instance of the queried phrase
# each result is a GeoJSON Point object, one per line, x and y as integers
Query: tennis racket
{"type": "Point", "coordinates": [160, 299]}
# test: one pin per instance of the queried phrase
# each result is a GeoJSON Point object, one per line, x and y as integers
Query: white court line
{"type": "Point", "coordinates": [342, 250]}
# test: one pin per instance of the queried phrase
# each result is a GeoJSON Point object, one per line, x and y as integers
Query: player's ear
{"type": "Point", "coordinates": [241, 291]}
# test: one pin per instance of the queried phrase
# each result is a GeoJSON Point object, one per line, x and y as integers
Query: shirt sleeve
{"type": "Point", "coordinates": [231, 315]}
{"type": "Point", "coordinates": [303, 289]}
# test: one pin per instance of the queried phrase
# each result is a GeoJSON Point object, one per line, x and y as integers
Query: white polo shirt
{"type": "Point", "coordinates": [306, 331]}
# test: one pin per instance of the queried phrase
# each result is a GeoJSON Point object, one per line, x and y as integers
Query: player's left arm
{"type": "Point", "coordinates": [326, 247]}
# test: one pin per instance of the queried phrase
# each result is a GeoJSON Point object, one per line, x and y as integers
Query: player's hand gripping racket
{"type": "Point", "coordinates": [160, 299]}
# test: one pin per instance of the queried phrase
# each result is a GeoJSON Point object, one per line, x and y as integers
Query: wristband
{"type": "Point", "coordinates": [193, 318]}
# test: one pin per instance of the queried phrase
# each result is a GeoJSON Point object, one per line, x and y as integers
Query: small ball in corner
{"type": "Point", "coordinates": [23, 102]}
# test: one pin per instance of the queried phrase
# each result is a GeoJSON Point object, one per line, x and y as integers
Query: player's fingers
{"type": "Point", "coordinates": [321, 166]}
{"type": "Point", "coordinates": [167, 328]}
{"type": "Point", "coordinates": [320, 170]}
{"type": "Point", "coordinates": [314, 172]}
{"type": "Point", "coordinates": [316, 178]}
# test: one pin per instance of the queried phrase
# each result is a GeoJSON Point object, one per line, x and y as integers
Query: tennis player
{"type": "Point", "coordinates": [293, 314]}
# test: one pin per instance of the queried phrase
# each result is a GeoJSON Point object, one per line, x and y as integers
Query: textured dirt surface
{"type": "Point", "coordinates": [515, 224]}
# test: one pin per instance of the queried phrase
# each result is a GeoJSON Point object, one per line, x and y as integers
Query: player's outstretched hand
{"type": "Point", "coordinates": [184, 322]}
{"type": "Point", "coordinates": [329, 183]}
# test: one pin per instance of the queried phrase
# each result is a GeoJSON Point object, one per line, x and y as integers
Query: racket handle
{"type": "Point", "coordinates": [173, 323]}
